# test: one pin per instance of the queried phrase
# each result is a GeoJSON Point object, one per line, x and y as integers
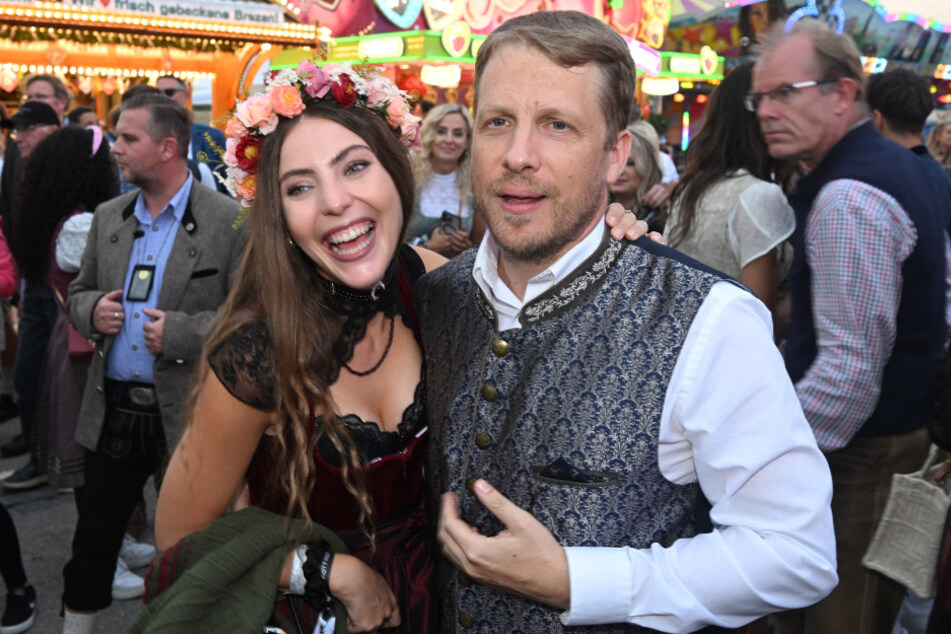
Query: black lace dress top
{"type": "Point", "coordinates": [392, 462]}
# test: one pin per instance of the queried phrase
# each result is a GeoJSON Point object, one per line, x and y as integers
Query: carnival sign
{"type": "Point", "coordinates": [212, 10]}
{"type": "Point", "coordinates": [440, 14]}
{"type": "Point", "coordinates": [455, 39]}
{"type": "Point", "coordinates": [402, 13]}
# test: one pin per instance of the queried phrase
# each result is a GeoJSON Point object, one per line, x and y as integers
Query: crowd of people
{"type": "Point", "coordinates": [429, 380]}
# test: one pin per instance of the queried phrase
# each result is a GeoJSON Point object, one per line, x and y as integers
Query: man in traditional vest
{"type": "Point", "coordinates": [586, 395]}
{"type": "Point", "coordinates": [868, 296]}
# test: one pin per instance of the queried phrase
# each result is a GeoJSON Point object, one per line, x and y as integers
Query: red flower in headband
{"type": "Point", "coordinates": [344, 91]}
{"type": "Point", "coordinates": [247, 152]}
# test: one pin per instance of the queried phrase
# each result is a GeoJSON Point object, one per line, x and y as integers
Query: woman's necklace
{"type": "Point", "coordinates": [386, 351]}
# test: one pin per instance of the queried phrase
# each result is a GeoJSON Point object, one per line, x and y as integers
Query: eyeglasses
{"type": "Point", "coordinates": [781, 94]}
{"type": "Point", "coordinates": [170, 92]}
{"type": "Point", "coordinates": [26, 98]}
{"type": "Point", "coordinates": [26, 129]}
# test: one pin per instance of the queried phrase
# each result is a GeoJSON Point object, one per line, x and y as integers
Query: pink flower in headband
{"type": "Point", "coordinates": [256, 112]}
{"type": "Point", "coordinates": [410, 132]}
{"type": "Point", "coordinates": [316, 82]}
{"type": "Point", "coordinates": [286, 101]}
{"type": "Point", "coordinates": [235, 128]}
{"type": "Point", "coordinates": [230, 158]}
{"type": "Point", "coordinates": [396, 112]}
{"type": "Point", "coordinates": [378, 92]}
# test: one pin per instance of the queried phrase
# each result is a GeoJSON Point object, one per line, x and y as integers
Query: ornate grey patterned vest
{"type": "Point", "coordinates": [584, 380]}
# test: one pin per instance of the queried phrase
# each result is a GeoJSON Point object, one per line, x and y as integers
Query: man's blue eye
{"type": "Point", "coordinates": [559, 125]}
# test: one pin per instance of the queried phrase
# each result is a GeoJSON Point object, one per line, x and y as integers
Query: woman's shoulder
{"type": "Point", "coordinates": [243, 363]}
{"type": "Point", "coordinates": [422, 261]}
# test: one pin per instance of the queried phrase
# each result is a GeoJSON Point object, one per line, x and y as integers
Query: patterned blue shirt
{"type": "Point", "coordinates": [129, 359]}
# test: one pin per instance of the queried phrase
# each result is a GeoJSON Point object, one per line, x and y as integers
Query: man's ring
{"type": "Point", "coordinates": [116, 315]}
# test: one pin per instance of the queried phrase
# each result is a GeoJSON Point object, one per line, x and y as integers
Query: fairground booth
{"type": "Point", "coordinates": [888, 33]}
{"type": "Point", "coordinates": [100, 47]}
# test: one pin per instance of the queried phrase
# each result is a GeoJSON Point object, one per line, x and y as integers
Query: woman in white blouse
{"type": "Point", "coordinates": [729, 212]}
{"type": "Point", "coordinates": [443, 217]}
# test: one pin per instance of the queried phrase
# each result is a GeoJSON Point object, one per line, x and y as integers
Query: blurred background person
{"type": "Point", "coordinates": [33, 122]}
{"type": "Point", "coordinates": [939, 144]}
{"type": "Point", "coordinates": [82, 117]}
{"type": "Point", "coordinates": [206, 141]}
{"type": "Point", "coordinates": [728, 211]}
{"type": "Point", "coordinates": [442, 219]}
{"type": "Point", "coordinates": [639, 188]}
{"type": "Point", "coordinates": [20, 608]}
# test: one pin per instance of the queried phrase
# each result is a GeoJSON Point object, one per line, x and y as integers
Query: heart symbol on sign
{"type": "Point", "coordinates": [105, 3]}
{"type": "Point", "coordinates": [402, 13]}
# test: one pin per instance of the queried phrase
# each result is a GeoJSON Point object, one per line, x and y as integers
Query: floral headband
{"type": "Point", "coordinates": [287, 95]}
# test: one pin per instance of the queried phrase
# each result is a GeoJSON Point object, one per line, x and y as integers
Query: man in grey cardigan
{"type": "Point", "coordinates": [158, 264]}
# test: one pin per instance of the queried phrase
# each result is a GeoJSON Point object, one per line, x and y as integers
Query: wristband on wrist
{"type": "Point", "coordinates": [317, 575]}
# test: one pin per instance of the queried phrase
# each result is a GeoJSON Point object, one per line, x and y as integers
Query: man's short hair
{"type": "Point", "coordinates": [903, 97]}
{"type": "Point", "coordinates": [139, 89]}
{"type": "Point", "coordinates": [59, 88]}
{"type": "Point", "coordinates": [834, 54]}
{"type": "Point", "coordinates": [572, 38]}
{"type": "Point", "coordinates": [181, 82]}
{"type": "Point", "coordinates": [166, 119]}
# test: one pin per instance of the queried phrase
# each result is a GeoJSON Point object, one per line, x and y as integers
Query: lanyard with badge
{"type": "Point", "coordinates": [143, 275]}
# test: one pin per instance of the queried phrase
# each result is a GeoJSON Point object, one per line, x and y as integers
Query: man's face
{"type": "Point", "coordinates": [540, 166]}
{"type": "Point", "coordinates": [171, 88]}
{"type": "Point", "coordinates": [138, 156]}
{"type": "Point", "coordinates": [42, 90]}
{"type": "Point", "coordinates": [802, 125]}
{"type": "Point", "coordinates": [27, 137]}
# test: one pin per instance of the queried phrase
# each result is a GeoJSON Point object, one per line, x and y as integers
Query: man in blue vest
{"type": "Point", "coordinates": [585, 395]}
{"type": "Point", "coordinates": [868, 296]}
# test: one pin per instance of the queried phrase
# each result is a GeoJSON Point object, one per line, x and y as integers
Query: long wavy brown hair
{"type": "Point", "coordinates": [278, 284]}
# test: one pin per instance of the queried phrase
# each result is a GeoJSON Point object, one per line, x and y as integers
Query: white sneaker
{"type": "Point", "coordinates": [126, 584]}
{"type": "Point", "coordinates": [75, 623]}
{"type": "Point", "coordinates": [134, 554]}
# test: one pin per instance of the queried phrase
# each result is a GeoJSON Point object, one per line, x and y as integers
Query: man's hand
{"type": "Point", "coordinates": [153, 330]}
{"type": "Point", "coordinates": [624, 224]}
{"type": "Point", "coordinates": [107, 316]}
{"type": "Point", "coordinates": [523, 559]}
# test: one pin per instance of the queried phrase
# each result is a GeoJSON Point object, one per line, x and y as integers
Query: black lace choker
{"type": "Point", "coordinates": [352, 302]}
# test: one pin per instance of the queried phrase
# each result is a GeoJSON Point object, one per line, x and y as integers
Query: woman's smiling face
{"type": "Point", "coordinates": [340, 204]}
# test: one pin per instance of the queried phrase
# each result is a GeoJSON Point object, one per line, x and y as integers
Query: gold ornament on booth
{"type": "Point", "coordinates": [431, 95]}
{"type": "Point", "coordinates": [452, 95]}
{"type": "Point", "coordinates": [55, 54]}
{"type": "Point", "coordinates": [9, 79]}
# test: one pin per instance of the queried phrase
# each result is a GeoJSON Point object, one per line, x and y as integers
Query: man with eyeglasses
{"type": "Point", "coordinates": [868, 297]}
{"type": "Point", "coordinates": [200, 149]}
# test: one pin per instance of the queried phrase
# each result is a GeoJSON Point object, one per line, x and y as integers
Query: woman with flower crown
{"type": "Point", "coordinates": [312, 392]}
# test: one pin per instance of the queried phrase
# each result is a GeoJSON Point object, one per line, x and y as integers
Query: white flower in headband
{"type": "Point", "coordinates": [287, 95]}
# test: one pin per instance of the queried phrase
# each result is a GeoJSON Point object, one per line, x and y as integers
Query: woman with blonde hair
{"type": "Point", "coordinates": [442, 219]}
{"type": "Point", "coordinates": [639, 183]}
{"type": "Point", "coordinates": [939, 144]}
